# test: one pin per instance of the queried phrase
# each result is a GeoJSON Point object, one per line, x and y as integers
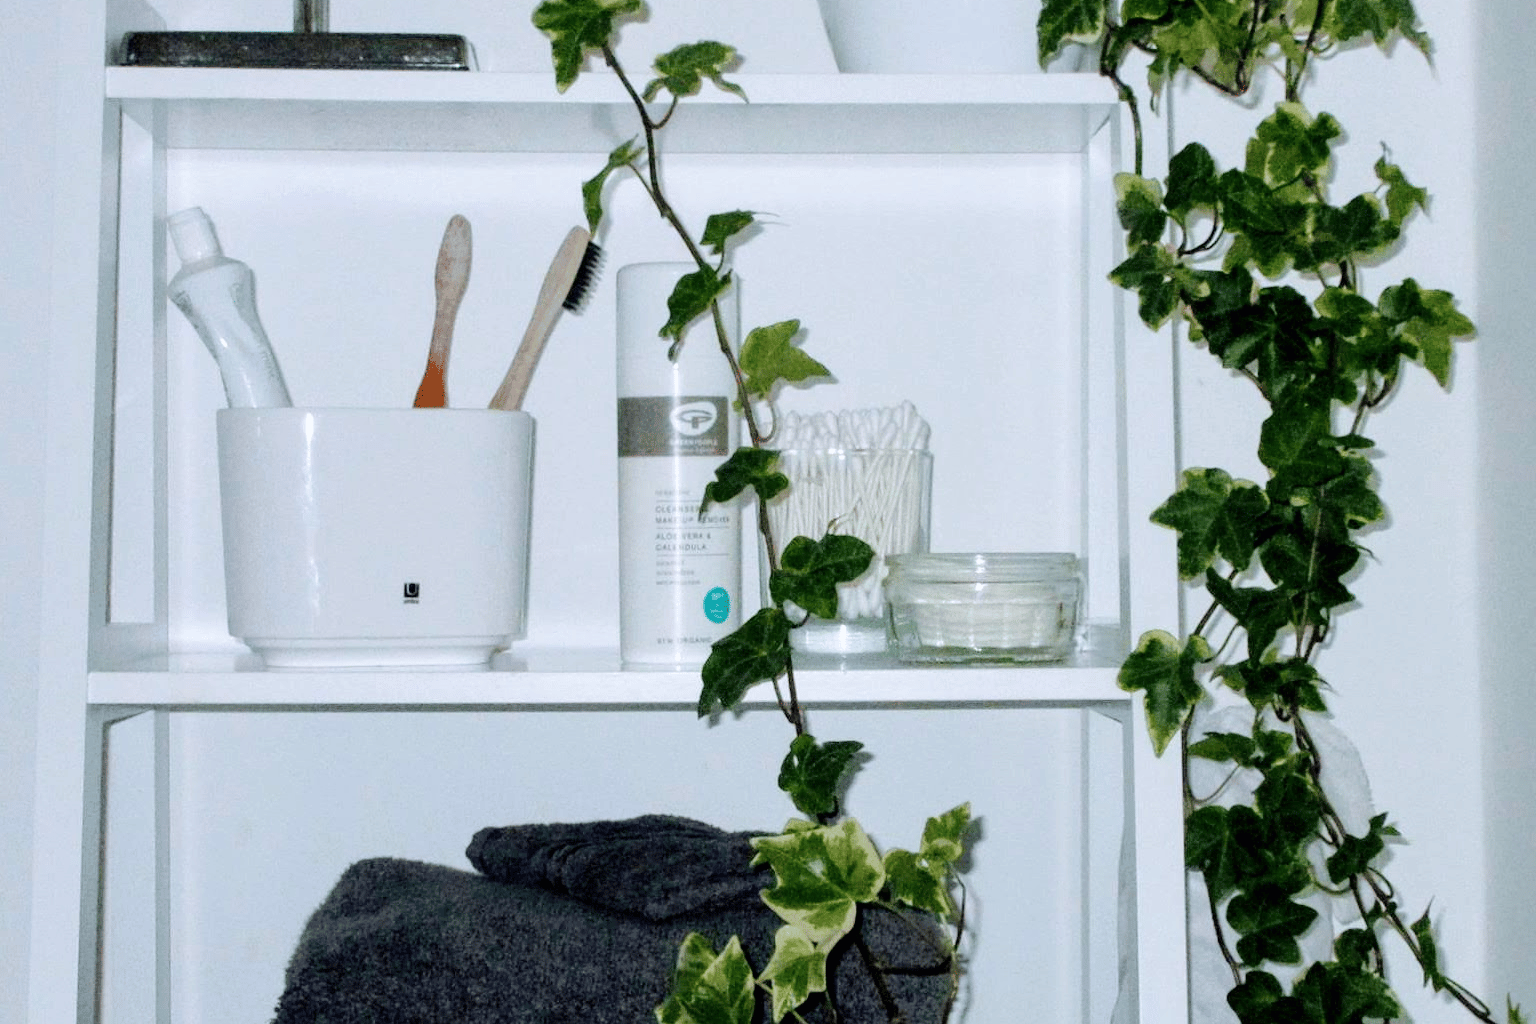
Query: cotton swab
{"type": "Point", "coordinates": [861, 472]}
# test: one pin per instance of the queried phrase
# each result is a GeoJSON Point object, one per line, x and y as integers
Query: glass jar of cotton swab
{"type": "Point", "coordinates": [866, 473]}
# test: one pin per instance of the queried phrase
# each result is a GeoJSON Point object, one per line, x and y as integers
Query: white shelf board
{"type": "Point", "coordinates": [519, 112]}
{"type": "Point", "coordinates": [591, 678]}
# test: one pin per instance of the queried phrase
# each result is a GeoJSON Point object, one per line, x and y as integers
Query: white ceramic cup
{"type": "Point", "coordinates": [957, 37]}
{"type": "Point", "coordinates": [358, 538]}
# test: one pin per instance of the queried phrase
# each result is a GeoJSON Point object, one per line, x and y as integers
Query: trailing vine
{"type": "Point", "coordinates": [829, 877]}
{"type": "Point", "coordinates": [1265, 272]}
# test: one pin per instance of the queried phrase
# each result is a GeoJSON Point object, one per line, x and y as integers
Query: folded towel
{"type": "Point", "coordinates": [656, 865]}
{"type": "Point", "coordinates": [401, 942]}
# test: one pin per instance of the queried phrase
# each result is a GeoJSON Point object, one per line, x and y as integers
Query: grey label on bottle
{"type": "Point", "coordinates": [674, 426]}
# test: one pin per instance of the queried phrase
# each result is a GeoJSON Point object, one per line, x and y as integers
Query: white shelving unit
{"type": "Point", "coordinates": [203, 805]}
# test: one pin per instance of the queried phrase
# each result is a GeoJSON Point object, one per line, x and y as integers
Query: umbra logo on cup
{"type": "Point", "coordinates": [411, 592]}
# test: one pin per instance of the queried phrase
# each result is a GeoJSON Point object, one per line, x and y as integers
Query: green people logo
{"type": "Point", "coordinates": [692, 419]}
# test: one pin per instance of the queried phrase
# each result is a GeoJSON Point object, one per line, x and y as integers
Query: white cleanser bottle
{"type": "Point", "coordinates": [679, 573]}
{"type": "Point", "coordinates": [218, 295]}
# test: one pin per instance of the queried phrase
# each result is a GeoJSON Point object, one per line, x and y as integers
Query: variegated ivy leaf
{"type": "Point", "coordinates": [1164, 668]}
{"type": "Point", "coordinates": [823, 874]}
{"type": "Point", "coordinates": [1214, 515]}
{"type": "Point", "coordinates": [694, 957]}
{"type": "Point", "coordinates": [922, 879]}
{"type": "Point", "coordinates": [1382, 20]}
{"type": "Point", "coordinates": [944, 835]}
{"type": "Point", "coordinates": [918, 883]}
{"type": "Point", "coordinates": [710, 989]}
{"type": "Point", "coordinates": [1428, 320]}
{"type": "Point", "coordinates": [1140, 205]}
{"type": "Point", "coordinates": [1291, 143]}
{"type": "Point", "coordinates": [576, 27]}
{"type": "Point", "coordinates": [624, 155]}
{"type": "Point", "coordinates": [681, 71]}
{"type": "Point", "coordinates": [769, 355]}
{"type": "Point", "coordinates": [797, 970]}
{"type": "Point", "coordinates": [1067, 21]}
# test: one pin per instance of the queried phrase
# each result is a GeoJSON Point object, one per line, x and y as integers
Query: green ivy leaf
{"type": "Point", "coordinates": [1214, 515]}
{"type": "Point", "coordinates": [1429, 952]}
{"type": "Point", "coordinates": [1224, 746]}
{"type": "Point", "coordinates": [1220, 843]}
{"type": "Point", "coordinates": [1262, 613]}
{"type": "Point", "coordinates": [575, 27]}
{"type": "Point", "coordinates": [690, 299]}
{"type": "Point", "coordinates": [1291, 683]}
{"type": "Point", "coordinates": [797, 969]}
{"type": "Point", "coordinates": [1355, 853]}
{"type": "Point", "coordinates": [812, 772]}
{"type": "Point", "coordinates": [810, 570]}
{"type": "Point", "coordinates": [720, 228]}
{"type": "Point", "coordinates": [1259, 999]}
{"type": "Point", "coordinates": [681, 71]}
{"type": "Point", "coordinates": [1402, 196]}
{"type": "Point", "coordinates": [719, 991]}
{"type": "Point", "coordinates": [1269, 923]}
{"type": "Point", "coordinates": [1191, 181]}
{"type": "Point", "coordinates": [1289, 803]}
{"type": "Point", "coordinates": [822, 874]}
{"type": "Point", "coordinates": [1067, 21]}
{"type": "Point", "coordinates": [1165, 669]}
{"type": "Point", "coordinates": [757, 651]}
{"type": "Point", "coordinates": [1330, 992]}
{"type": "Point", "coordinates": [769, 355]}
{"type": "Point", "coordinates": [748, 466]}
{"type": "Point", "coordinates": [624, 155]}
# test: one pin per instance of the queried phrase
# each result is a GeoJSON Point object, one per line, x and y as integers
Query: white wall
{"type": "Point", "coordinates": [27, 35]}
{"type": "Point", "coordinates": [1506, 491]}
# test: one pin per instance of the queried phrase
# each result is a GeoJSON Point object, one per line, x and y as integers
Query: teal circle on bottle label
{"type": "Point", "coordinates": [717, 605]}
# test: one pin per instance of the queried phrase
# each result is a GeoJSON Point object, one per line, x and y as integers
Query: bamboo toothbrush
{"type": "Point", "coordinates": [449, 282]}
{"type": "Point", "coordinates": [566, 286]}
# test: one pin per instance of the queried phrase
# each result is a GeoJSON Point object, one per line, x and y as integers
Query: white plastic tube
{"type": "Point", "coordinates": [218, 295]}
{"type": "Point", "coordinates": [679, 573]}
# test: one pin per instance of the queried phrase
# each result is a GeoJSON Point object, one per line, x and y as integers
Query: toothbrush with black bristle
{"type": "Point", "coordinates": [569, 280]}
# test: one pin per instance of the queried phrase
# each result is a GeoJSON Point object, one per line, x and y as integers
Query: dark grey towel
{"type": "Point", "coordinates": [401, 942]}
{"type": "Point", "coordinates": [656, 865]}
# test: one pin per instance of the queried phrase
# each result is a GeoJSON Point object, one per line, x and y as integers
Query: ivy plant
{"type": "Point", "coordinates": [1264, 268]}
{"type": "Point", "coordinates": [828, 873]}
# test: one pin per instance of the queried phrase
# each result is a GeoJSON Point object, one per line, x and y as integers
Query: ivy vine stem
{"type": "Point", "coordinates": [790, 706]}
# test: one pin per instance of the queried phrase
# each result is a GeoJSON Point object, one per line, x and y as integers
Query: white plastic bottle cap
{"type": "Point", "coordinates": [192, 234]}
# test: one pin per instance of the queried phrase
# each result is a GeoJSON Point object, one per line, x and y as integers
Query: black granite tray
{"type": "Point", "coordinates": [379, 51]}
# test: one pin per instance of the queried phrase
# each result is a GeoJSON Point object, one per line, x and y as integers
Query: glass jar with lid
{"type": "Point", "coordinates": [983, 607]}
